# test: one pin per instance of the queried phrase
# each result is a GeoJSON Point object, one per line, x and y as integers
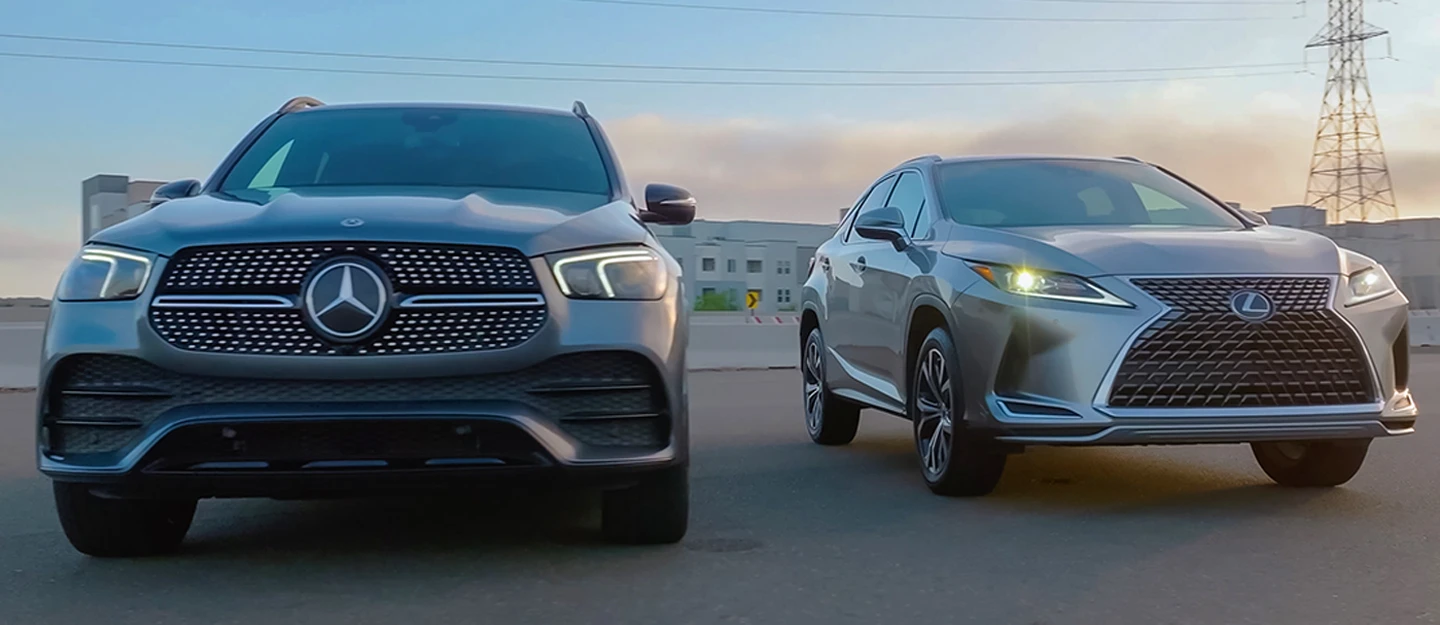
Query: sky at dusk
{"type": "Point", "coordinates": [792, 153]}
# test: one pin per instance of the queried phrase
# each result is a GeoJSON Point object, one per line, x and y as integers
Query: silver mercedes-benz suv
{"type": "Point", "coordinates": [1001, 302]}
{"type": "Point", "coordinates": [374, 298]}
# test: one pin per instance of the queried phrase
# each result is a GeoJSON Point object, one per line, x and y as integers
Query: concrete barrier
{"type": "Point", "coordinates": [20, 353]}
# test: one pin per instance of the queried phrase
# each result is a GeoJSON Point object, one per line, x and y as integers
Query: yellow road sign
{"type": "Point", "coordinates": [752, 299]}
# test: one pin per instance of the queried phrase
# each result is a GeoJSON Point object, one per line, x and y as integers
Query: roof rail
{"type": "Point", "coordinates": [580, 110]}
{"type": "Point", "coordinates": [1131, 159]}
{"type": "Point", "coordinates": [928, 158]}
{"type": "Point", "coordinates": [298, 104]}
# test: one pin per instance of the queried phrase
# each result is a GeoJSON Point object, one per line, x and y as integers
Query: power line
{"type": "Point", "coordinates": [1180, 3]}
{"type": "Point", "coordinates": [916, 16]}
{"type": "Point", "coordinates": [614, 80]}
{"type": "Point", "coordinates": [625, 66]}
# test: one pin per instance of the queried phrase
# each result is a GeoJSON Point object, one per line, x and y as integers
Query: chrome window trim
{"type": "Point", "coordinates": [1101, 401]}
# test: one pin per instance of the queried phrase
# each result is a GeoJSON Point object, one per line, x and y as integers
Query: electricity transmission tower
{"type": "Point", "coordinates": [1349, 176]}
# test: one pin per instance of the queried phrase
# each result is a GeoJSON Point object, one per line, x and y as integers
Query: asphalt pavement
{"type": "Point", "coordinates": [786, 532]}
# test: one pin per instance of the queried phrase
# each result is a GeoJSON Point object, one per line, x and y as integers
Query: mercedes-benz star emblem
{"type": "Point", "coordinates": [346, 299]}
{"type": "Point", "coordinates": [1252, 306]}
{"type": "Point", "coordinates": [353, 222]}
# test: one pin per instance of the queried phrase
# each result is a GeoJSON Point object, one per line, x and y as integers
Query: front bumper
{"type": "Point", "coordinates": [600, 390]}
{"type": "Point", "coordinates": [1043, 373]}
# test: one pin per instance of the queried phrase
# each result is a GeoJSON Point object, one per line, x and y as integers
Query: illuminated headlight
{"type": "Point", "coordinates": [1368, 285]}
{"type": "Point", "coordinates": [99, 273]}
{"type": "Point", "coordinates": [628, 273]}
{"type": "Point", "coordinates": [1047, 285]}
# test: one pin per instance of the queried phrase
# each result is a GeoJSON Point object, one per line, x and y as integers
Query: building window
{"type": "Point", "coordinates": [707, 291]}
{"type": "Point", "coordinates": [782, 296]}
{"type": "Point", "coordinates": [730, 266]}
{"type": "Point", "coordinates": [754, 266]}
{"type": "Point", "coordinates": [707, 264]}
{"type": "Point", "coordinates": [782, 267]}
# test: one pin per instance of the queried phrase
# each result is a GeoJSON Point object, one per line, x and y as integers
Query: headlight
{"type": "Point", "coordinates": [1034, 283]}
{"type": "Point", "coordinates": [630, 273]}
{"type": "Point", "coordinates": [99, 273]}
{"type": "Point", "coordinates": [1368, 285]}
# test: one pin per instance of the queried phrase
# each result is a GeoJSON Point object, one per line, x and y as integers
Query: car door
{"type": "Point", "coordinates": [847, 267]}
{"type": "Point", "coordinates": [885, 296]}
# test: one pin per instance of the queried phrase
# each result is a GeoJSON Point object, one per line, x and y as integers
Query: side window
{"type": "Point", "coordinates": [909, 197]}
{"type": "Point", "coordinates": [877, 198]}
{"type": "Point", "coordinates": [1162, 208]}
{"type": "Point", "coordinates": [270, 172]}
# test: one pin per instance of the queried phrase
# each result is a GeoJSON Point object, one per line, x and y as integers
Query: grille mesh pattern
{"type": "Point", "coordinates": [284, 332]}
{"type": "Point", "coordinates": [581, 386]}
{"type": "Point", "coordinates": [641, 432]}
{"type": "Point", "coordinates": [1202, 355]}
{"type": "Point", "coordinates": [280, 269]}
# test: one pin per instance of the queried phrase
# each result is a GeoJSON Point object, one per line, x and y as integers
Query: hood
{"type": "Point", "coordinates": [1152, 250]}
{"type": "Point", "coordinates": [533, 221]}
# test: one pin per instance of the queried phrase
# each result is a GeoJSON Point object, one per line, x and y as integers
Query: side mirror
{"type": "Point", "coordinates": [669, 205]}
{"type": "Point", "coordinates": [175, 190]}
{"type": "Point", "coordinates": [884, 224]}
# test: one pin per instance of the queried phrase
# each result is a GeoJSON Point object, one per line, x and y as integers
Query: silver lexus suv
{"type": "Point", "coordinates": [374, 298]}
{"type": "Point", "coordinates": [1009, 301]}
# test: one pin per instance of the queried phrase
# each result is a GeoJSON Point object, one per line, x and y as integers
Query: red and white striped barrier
{"type": "Point", "coordinates": [774, 320]}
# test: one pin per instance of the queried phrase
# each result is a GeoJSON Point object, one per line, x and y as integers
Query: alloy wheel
{"type": "Point", "coordinates": [936, 429]}
{"type": "Point", "coordinates": [814, 384]}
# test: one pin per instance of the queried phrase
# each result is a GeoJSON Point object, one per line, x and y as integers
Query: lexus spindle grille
{"type": "Point", "coordinates": [265, 285]}
{"type": "Point", "coordinates": [1201, 354]}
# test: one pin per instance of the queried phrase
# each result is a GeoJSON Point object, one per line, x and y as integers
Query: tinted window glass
{"type": "Point", "coordinates": [909, 197]}
{"type": "Point", "coordinates": [444, 147]}
{"type": "Point", "coordinates": [1071, 192]}
{"type": "Point", "coordinates": [877, 198]}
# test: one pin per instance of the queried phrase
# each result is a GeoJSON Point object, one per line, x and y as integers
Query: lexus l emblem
{"type": "Point", "coordinates": [353, 222]}
{"type": "Point", "coordinates": [346, 299]}
{"type": "Point", "coordinates": [1252, 306]}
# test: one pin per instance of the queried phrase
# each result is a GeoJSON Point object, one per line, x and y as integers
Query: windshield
{"type": "Point", "coordinates": [1060, 192]}
{"type": "Point", "coordinates": [423, 147]}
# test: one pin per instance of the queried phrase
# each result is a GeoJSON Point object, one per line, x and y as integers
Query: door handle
{"type": "Point", "coordinates": [859, 265]}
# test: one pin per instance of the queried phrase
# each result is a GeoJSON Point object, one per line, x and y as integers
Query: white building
{"type": "Point", "coordinates": [106, 200]}
{"type": "Point", "coordinates": [1409, 248]}
{"type": "Point", "coordinates": [726, 260]}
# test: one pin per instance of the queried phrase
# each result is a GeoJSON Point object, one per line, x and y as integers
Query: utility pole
{"type": "Point", "coordinates": [1349, 176]}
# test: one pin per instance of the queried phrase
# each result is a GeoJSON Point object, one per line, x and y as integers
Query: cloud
{"type": "Point", "coordinates": [759, 169]}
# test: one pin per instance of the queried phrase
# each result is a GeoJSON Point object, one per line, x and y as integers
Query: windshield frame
{"type": "Point", "coordinates": [1236, 219]}
{"type": "Point", "coordinates": [618, 189]}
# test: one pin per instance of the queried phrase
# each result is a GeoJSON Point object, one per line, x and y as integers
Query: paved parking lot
{"type": "Point", "coordinates": [785, 532]}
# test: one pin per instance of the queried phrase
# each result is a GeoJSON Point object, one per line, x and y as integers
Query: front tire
{"type": "Point", "coordinates": [829, 419]}
{"type": "Point", "coordinates": [955, 461]}
{"type": "Point", "coordinates": [1318, 464]}
{"type": "Point", "coordinates": [654, 512]}
{"type": "Point", "coordinates": [121, 528]}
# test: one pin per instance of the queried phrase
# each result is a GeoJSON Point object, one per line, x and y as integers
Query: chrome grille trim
{"type": "Point", "coordinates": [222, 301]}
{"type": "Point", "coordinates": [471, 301]}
